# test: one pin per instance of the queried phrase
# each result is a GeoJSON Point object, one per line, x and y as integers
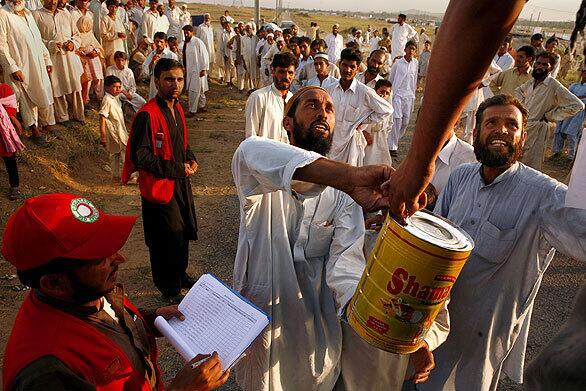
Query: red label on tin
{"type": "Point", "coordinates": [377, 325]}
{"type": "Point", "coordinates": [445, 277]}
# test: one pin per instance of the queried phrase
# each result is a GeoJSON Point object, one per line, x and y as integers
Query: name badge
{"type": "Point", "coordinates": [159, 139]}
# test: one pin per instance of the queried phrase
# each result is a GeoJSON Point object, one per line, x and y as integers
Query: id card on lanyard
{"type": "Point", "coordinates": [159, 140]}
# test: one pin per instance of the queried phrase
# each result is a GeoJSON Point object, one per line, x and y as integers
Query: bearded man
{"type": "Point", "coordinates": [26, 64]}
{"type": "Point", "coordinates": [374, 65]}
{"type": "Point", "coordinates": [547, 101]}
{"type": "Point", "coordinates": [292, 234]}
{"type": "Point", "coordinates": [517, 218]}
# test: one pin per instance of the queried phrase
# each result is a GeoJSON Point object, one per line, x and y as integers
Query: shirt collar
{"type": "Point", "coordinates": [352, 87]}
{"type": "Point", "coordinates": [504, 176]}
{"type": "Point", "coordinates": [446, 152]}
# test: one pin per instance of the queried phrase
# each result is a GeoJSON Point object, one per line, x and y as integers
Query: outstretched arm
{"type": "Point", "coordinates": [485, 24]}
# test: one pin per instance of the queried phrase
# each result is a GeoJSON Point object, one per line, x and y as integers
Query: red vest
{"type": "Point", "coordinates": [42, 330]}
{"type": "Point", "coordinates": [155, 189]}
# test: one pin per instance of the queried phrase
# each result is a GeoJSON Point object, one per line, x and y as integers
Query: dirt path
{"type": "Point", "coordinates": [75, 165]}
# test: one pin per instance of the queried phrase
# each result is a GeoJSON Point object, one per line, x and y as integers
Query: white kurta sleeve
{"type": "Point", "coordinates": [6, 61]}
{"type": "Point", "coordinates": [261, 165]}
{"type": "Point", "coordinates": [440, 328]}
{"type": "Point", "coordinates": [346, 260]}
{"type": "Point", "coordinates": [567, 104]}
{"type": "Point", "coordinates": [254, 115]}
{"type": "Point", "coordinates": [147, 62]}
{"type": "Point", "coordinates": [564, 228]}
{"type": "Point", "coordinates": [381, 109]}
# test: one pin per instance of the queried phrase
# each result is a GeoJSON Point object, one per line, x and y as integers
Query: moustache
{"type": "Point", "coordinates": [320, 122]}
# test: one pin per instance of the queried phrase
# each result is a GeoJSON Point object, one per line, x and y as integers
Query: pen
{"type": "Point", "coordinates": [198, 363]}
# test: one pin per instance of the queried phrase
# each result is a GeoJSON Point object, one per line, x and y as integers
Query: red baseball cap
{"type": "Point", "coordinates": [62, 225]}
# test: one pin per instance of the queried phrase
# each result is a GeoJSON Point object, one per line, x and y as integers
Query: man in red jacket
{"type": "Point", "coordinates": [76, 330]}
{"type": "Point", "coordinates": [158, 150]}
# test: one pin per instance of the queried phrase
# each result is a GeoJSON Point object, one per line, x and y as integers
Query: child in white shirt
{"type": "Point", "coordinates": [121, 71]}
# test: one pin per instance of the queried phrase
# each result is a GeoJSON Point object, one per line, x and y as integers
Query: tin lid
{"type": "Point", "coordinates": [438, 231]}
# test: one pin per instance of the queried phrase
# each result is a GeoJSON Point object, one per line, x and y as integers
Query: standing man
{"type": "Point", "coordinates": [570, 129]}
{"type": "Point", "coordinates": [403, 77]}
{"type": "Point", "coordinates": [228, 55]}
{"type": "Point", "coordinates": [356, 106]}
{"type": "Point", "coordinates": [92, 337]}
{"type": "Point", "coordinates": [98, 8]}
{"type": "Point", "coordinates": [334, 44]}
{"type": "Point", "coordinates": [516, 217]}
{"type": "Point", "coordinates": [173, 14]}
{"type": "Point", "coordinates": [61, 37]}
{"type": "Point", "coordinates": [136, 13]}
{"type": "Point", "coordinates": [292, 235]}
{"type": "Point", "coordinates": [400, 35]}
{"type": "Point", "coordinates": [159, 151]}
{"type": "Point", "coordinates": [265, 106]}
{"type": "Point", "coordinates": [323, 78]}
{"type": "Point", "coordinates": [506, 82]}
{"type": "Point", "coordinates": [196, 63]}
{"type": "Point", "coordinates": [205, 32]}
{"type": "Point", "coordinates": [249, 59]}
{"type": "Point", "coordinates": [153, 21]}
{"type": "Point", "coordinates": [374, 65]}
{"type": "Point", "coordinates": [423, 37]}
{"type": "Point", "coordinates": [26, 63]}
{"type": "Point", "coordinates": [537, 43]}
{"type": "Point", "coordinates": [113, 32]}
{"type": "Point", "coordinates": [547, 101]}
{"type": "Point", "coordinates": [502, 58]}
{"type": "Point", "coordinates": [160, 51]}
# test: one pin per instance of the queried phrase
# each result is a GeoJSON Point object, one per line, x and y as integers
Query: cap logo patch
{"type": "Point", "coordinates": [84, 211]}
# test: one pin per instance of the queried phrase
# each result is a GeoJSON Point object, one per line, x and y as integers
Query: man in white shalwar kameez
{"type": "Point", "coordinates": [26, 63]}
{"type": "Point", "coordinates": [80, 9]}
{"type": "Point", "coordinates": [173, 14]}
{"type": "Point", "coordinates": [403, 77]}
{"type": "Point", "coordinates": [548, 101]}
{"type": "Point", "coordinates": [356, 106]}
{"type": "Point", "coordinates": [196, 63]}
{"type": "Point", "coordinates": [153, 21]}
{"type": "Point", "coordinates": [401, 34]}
{"type": "Point", "coordinates": [248, 50]}
{"type": "Point", "coordinates": [113, 32]}
{"type": "Point", "coordinates": [61, 37]}
{"type": "Point", "coordinates": [98, 9]}
{"type": "Point", "coordinates": [161, 51]}
{"type": "Point", "coordinates": [516, 216]}
{"type": "Point", "coordinates": [335, 44]}
{"type": "Point", "coordinates": [292, 234]}
{"type": "Point", "coordinates": [374, 65]}
{"type": "Point", "coordinates": [205, 32]}
{"type": "Point", "coordinates": [264, 107]}
{"type": "Point", "coordinates": [322, 78]}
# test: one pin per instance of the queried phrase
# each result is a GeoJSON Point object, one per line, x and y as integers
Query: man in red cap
{"type": "Point", "coordinates": [76, 330]}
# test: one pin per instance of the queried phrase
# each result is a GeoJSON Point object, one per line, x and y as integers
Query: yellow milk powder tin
{"type": "Point", "coordinates": [409, 275]}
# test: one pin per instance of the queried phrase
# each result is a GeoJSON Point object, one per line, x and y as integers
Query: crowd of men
{"type": "Point", "coordinates": [323, 122]}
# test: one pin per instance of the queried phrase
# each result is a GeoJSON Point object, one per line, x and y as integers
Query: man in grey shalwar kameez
{"type": "Point", "coordinates": [517, 218]}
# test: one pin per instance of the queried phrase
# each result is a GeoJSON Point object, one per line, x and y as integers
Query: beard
{"type": "Point", "coordinates": [17, 6]}
{"type": "Point", "coordinates": [83, 293]}
{"type": "Point", "coordinates": [311, 140]}
{"type": "Point", "coordinates": [493, 159]}
{"type": "Point", "coordinates": [538, 73]}
{"type": "Point", "coordinates": [372, 70]}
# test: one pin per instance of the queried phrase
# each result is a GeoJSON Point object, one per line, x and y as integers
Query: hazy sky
{"type": "Point", "coordinates": [550, 10]}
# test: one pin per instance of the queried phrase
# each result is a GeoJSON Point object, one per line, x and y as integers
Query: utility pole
{"type": "Point", "coordinates": [257, 13]}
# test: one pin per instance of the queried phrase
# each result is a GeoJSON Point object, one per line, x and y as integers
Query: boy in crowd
{"type": "Point", "coordinates": [376, 150]}
{"type": "Point", "coordinates": [122, 72]}
{"type": "Point", "coordinates": [160, 51]}
{"type": "Point", "coordinates": [113, 134]}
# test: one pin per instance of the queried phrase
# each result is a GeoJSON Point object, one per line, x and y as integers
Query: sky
{"type": "Point", "coordinates": [550, 10]}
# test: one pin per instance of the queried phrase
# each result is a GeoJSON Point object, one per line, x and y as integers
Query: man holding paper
{"type": "Point", "coordinates": [76, 330]}
{"type": "Point", "coordinates": [300, 251]}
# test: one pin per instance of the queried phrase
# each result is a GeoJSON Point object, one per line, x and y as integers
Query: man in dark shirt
{"type": "Point", "coordinates": [76, 330]}
{"type": "Point", "coordinates": [168, 227]}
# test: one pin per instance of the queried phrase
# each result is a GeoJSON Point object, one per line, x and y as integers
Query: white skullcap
{"type": "Point", "coordinates": [160, 2]}
{"type": "Point", "coordinates": [358, 31]}
{"type": "Point", "coordinates": [323, 55]}
{"type": "Point", "coordinates": [248, 25]}
{"type": "Point", "coordinates": [280, 39]}
{"type": "Point", "coordinates": [206, 14]}
{"type": "Point", "coordinates": [270, 35]}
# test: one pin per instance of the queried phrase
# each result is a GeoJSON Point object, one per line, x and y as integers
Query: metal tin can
{"type": "Point", "coordinates": [408, 277]}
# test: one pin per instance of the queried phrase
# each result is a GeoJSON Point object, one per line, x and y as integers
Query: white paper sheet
{"type": "Point", "coordinates": [216, 319]}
